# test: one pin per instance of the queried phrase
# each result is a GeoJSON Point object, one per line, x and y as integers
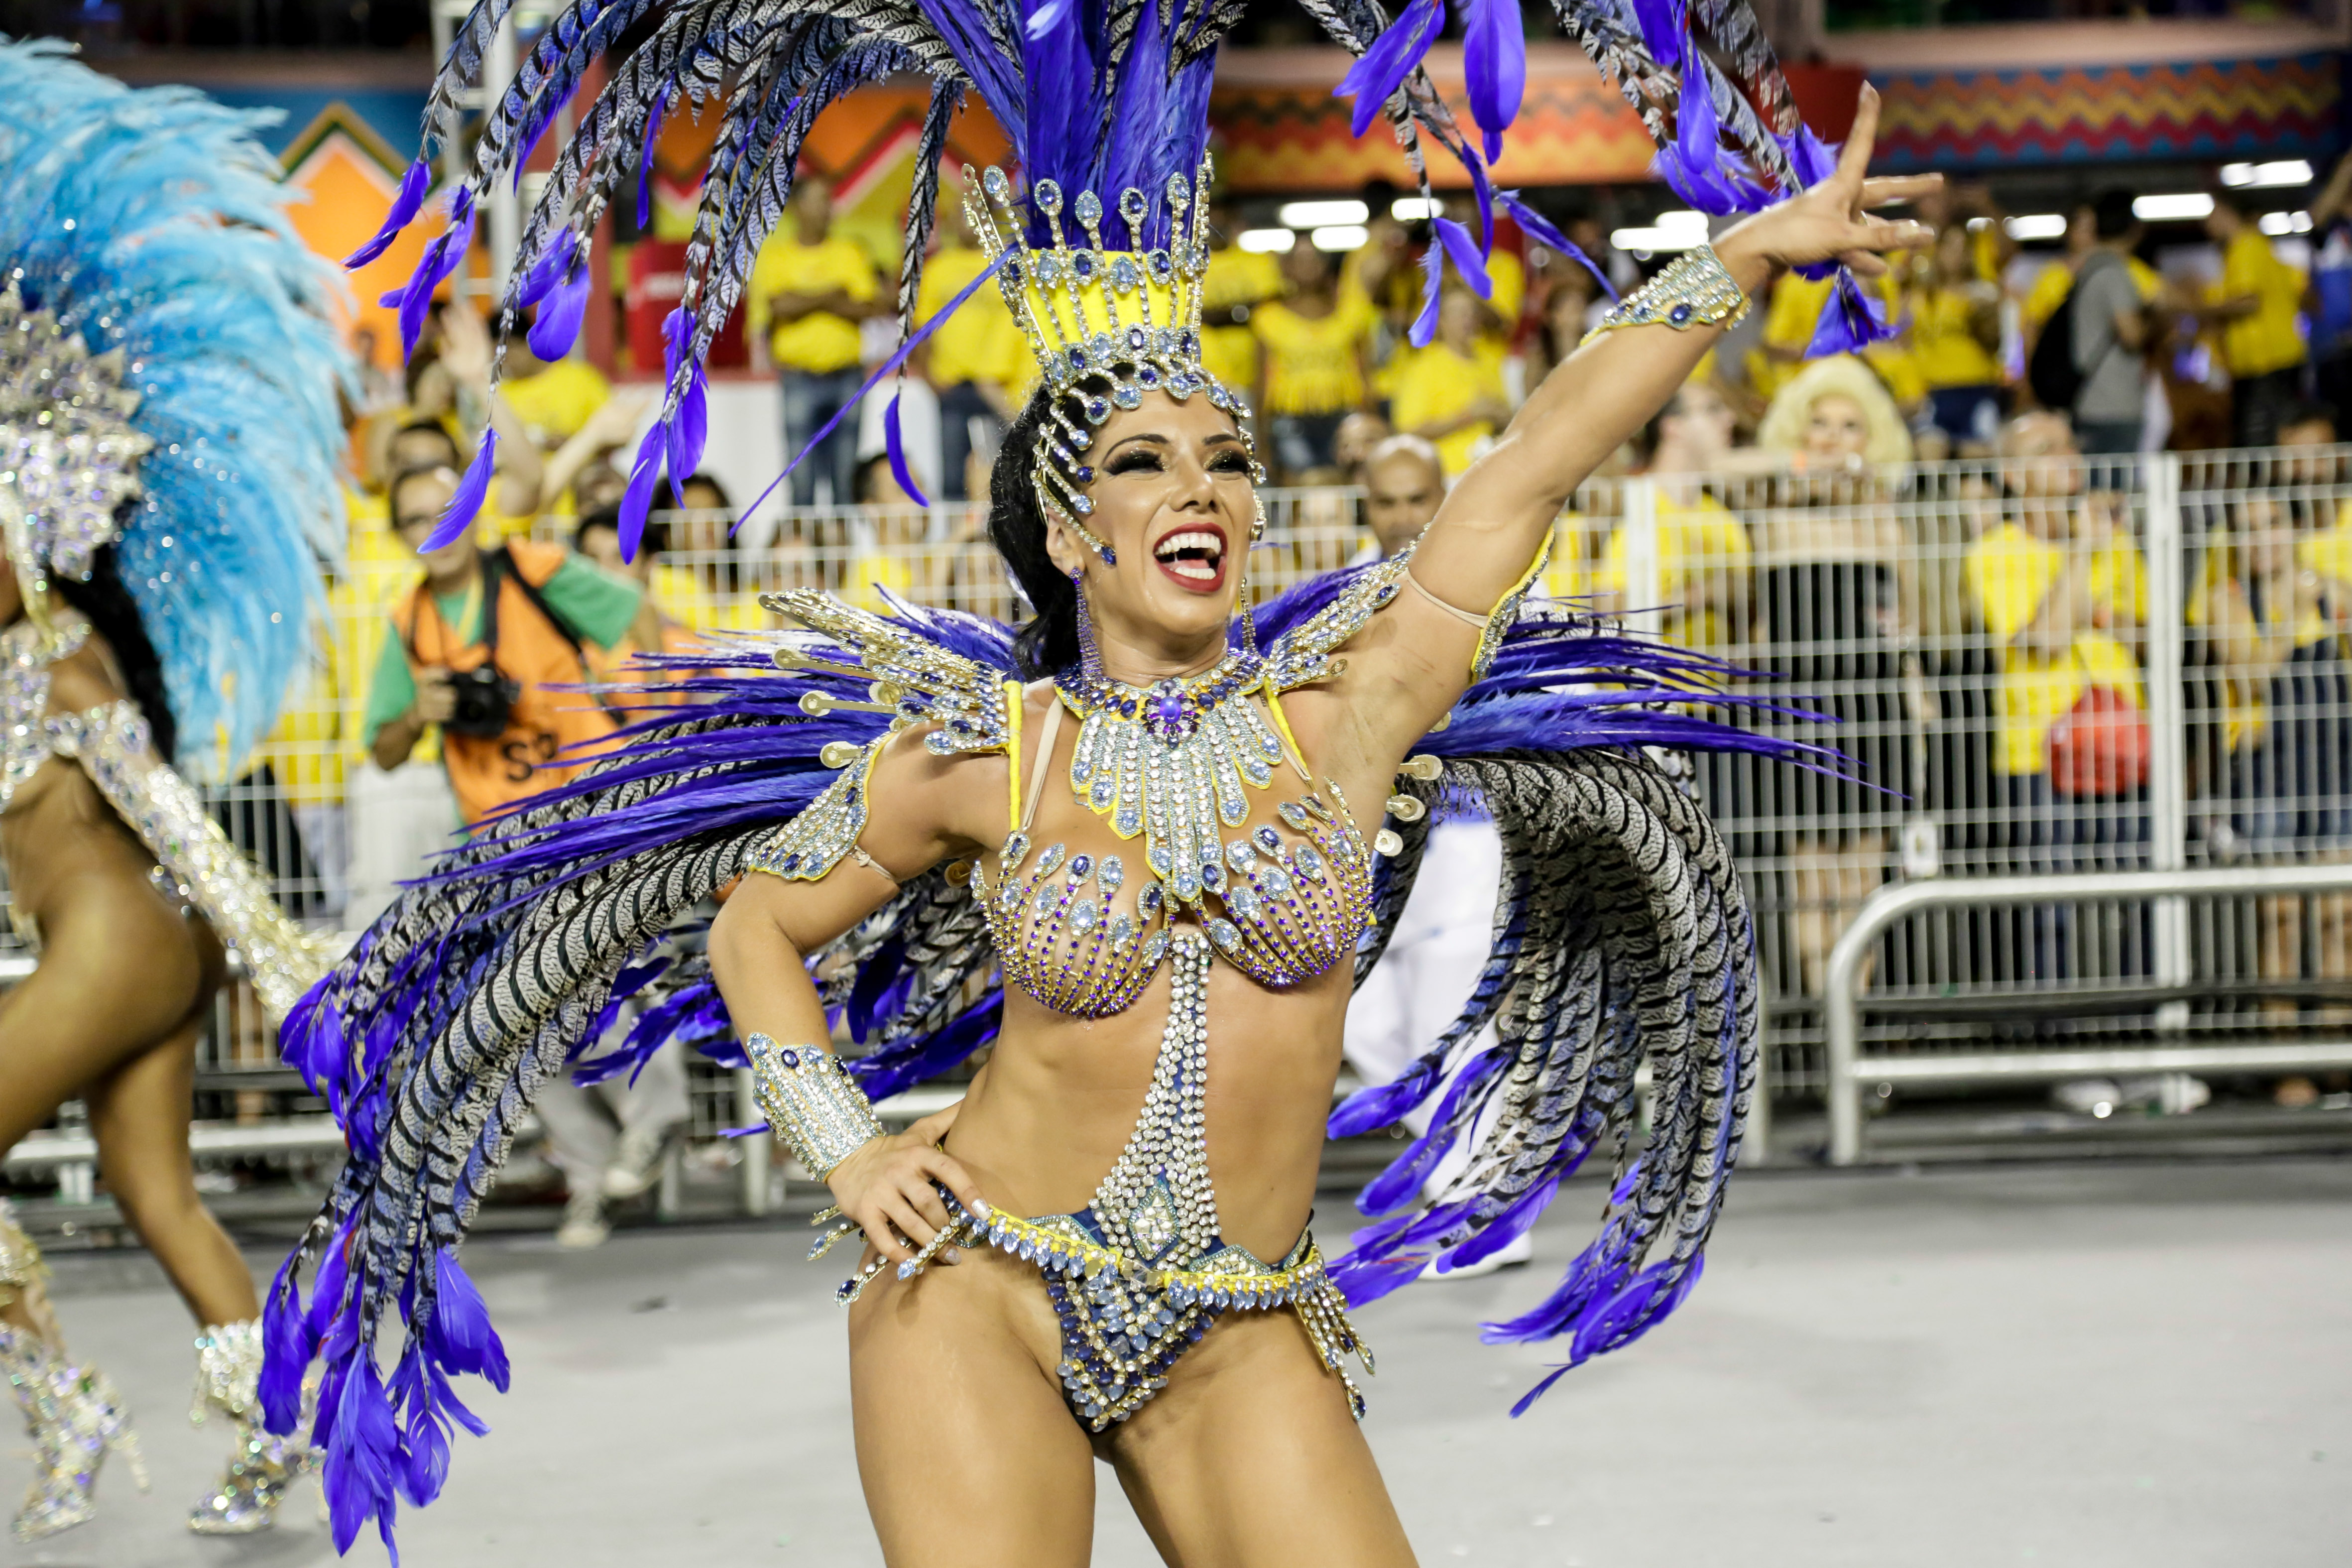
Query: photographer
{"type": "Point", "coordinates": [476, 645]}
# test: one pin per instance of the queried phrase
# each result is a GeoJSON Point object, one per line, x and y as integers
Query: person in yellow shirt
{"type": "Point", "coordinates": [1238, 282]}
{"type": "Point", "coordinates": [2059, 589]}
{"type": "Point", "coordinates": [1954, 339]}
{"type": "Point", "coordinates": [968, 350]}
{"type": "Point", "coordinates": [810, 288]}
{"type": "Point", "coordinates": [1451, 393]}
{"type": "Point", "coordinates": [2254, 303]}
{"type": "Point", "coordinates": [1506, 297]}
{"type": "Point", "coordinates": [553, 400]}
{"type": "Point", "coordinates": [1701, 549]}
{"type": "Point", "coordinates": [1314, 345]}
{"type": "Point", "coordinates": [1793, 316]}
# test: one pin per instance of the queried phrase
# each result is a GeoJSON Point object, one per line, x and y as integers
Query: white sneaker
{"type": "Point", "coordinates": [1519, 1249]}
{"type": "Point", "coordinates": [636, 1162]}
{"type": "Point", "coordinates": [584, 1224]}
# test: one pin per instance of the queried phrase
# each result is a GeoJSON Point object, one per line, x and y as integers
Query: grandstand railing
{"type": "Point", "coordinates": [1907, 603]}
{"type": "Point", "coordinates": [1852, 1073]}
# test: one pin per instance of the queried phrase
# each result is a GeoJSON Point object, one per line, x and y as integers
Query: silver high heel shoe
{"type": "Point", "coordinates": [263, 1465]}
{"type": "Point", "coordinates": [76, 1419]}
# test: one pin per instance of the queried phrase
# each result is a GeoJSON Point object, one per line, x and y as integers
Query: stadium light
{"type": "Point", "coordinates": [2184, 204]}
{"type": "Point", "coordinates": [2266, 176]}
{"type": "Point", "coordinates": [2285, 223]}
{"type": "Point", "coordinates": [1322, 214]}
{"type": "Point", "coordinates": [1340, 237]}
{"type": "Point", "coordinates": [2036, 226]}
{"type": "Point", "coordinates": [1413, 209]}
{"type": "Point", "coordinates": [1683, 230]}
{"type": "Point", "coordinates": [1271, 241]}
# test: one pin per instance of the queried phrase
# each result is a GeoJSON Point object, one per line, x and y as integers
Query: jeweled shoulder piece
{"type": "Point", "coordinates": [1302, 654]}
{"type": "Point", "coordinates": [908, 676]}
{"type": "Point", "coordinates": [200, 865]}
{"type": "Point", "coordinates": [810, 845]}
{"type": "Point", "coordinates": [1505, 613]}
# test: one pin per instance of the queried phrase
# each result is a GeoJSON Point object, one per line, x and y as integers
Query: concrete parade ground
{"type": "Point", "coordinates": [2135, 1365]}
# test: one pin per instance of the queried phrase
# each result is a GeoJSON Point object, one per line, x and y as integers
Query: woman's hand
{"type": "Point", "coordinates": [885, 1185]}
{"type": "Point", "coordinates": [1831, 222]}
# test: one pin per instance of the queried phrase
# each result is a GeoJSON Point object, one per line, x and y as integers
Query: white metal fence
{"type": "Point", "coordinates": [2042, 665]}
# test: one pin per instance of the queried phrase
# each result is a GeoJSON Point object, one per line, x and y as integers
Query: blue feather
{"type": "Point", "coordinates": [182, 257]}
{"type": "Point", "coordinates": [466, 503]}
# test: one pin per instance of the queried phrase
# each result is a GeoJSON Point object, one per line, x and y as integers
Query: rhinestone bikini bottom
{"type": "Point", "coordinates": [1125, 1323]}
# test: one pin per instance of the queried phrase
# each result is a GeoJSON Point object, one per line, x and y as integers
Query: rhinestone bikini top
{"type": "Point", "coordinates": [1171, 770]}
{"type": "Point", "coordinates": [1281, 907]}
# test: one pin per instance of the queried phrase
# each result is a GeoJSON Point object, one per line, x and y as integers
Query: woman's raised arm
{"type": "Point", "coordinates": [1500, 511]}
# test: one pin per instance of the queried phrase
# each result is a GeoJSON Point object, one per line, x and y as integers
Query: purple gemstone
{"type": "Point", "coordinates": [1168, 709]}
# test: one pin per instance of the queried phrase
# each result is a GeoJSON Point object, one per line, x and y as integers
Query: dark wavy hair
{"type": "Point", "coordinates": [102, 597]}
{"type": "Point", "coordinates": [1017, 525]}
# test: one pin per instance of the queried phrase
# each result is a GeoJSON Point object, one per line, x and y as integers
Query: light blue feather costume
{"type": "Point", "coordinates": [168, 382]}
{"type": "Point", "coordinates": [1622, 933]}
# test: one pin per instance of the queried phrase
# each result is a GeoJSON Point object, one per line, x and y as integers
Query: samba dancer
{"type": "Point", "coordinates": [169, 433]}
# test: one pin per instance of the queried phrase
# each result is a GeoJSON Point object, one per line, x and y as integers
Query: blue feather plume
{"type": "Point", "coordinates": [153, 221]}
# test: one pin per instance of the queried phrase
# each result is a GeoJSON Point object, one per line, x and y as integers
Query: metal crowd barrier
{"type": "Point", "coordinates": [1851, 1073]}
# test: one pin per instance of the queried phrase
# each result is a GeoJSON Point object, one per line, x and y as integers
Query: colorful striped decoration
{"type": "Point", "coordinates": [2187, 110]}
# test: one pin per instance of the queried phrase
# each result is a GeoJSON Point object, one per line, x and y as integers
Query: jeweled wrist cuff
{"type": "Point", "coordinates": [1694, 290]}
{"type": "Point", "coordinates": [812, 1102]}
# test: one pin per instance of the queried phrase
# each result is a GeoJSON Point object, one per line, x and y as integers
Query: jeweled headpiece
{"type": "Point", "coordinates": [68, 455]}
{"type": "Point", "coordinates": [1106, 326]}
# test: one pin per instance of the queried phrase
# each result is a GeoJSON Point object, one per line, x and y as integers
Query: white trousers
{"type": "Point", "coordinates": [1432, 964]}
{"type": "Point", "coordinates": [584, 1125]}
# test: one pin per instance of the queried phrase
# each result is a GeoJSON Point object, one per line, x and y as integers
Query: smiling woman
{"type": "Point", "coordinates": [1141, 847]}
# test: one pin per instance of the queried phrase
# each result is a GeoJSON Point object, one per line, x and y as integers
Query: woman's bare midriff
{"type": "Point", "coordinates": [1048, 1120]}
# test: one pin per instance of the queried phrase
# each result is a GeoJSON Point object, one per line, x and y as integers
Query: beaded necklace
{"type": "Point", "coordinates": [1170, 761]}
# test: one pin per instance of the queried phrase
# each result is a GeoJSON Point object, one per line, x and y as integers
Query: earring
{"type": "Point", "coordinates": [1249, 622]}
{"type": "Point", "coordinates": [1089, 657]}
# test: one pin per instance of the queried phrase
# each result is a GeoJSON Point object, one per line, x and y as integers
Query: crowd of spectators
{"type": "Point", "coordinates": [1977, 627]}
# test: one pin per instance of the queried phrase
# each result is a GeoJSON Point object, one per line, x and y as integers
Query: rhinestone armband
{"type": "Point", "coordinates": [812, 1102]}
{"type": "Point", "coordinates": [1694, 290]}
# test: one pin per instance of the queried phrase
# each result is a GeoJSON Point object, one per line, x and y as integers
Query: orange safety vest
{"type": "Point", "coordinates": [489, 772]}
{"type": "Point", "coordinates": [612, 664]}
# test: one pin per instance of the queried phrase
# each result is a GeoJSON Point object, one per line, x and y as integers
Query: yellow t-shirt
{"type": "Point", "coordinates": [1312, 363]}
{"type": "Point", "coordinates": [969, 345]}
{"type": "Point", "coordinates": [2265, 341]}
{"type": "Point", "coordinates": [554, 402]}
{"type": "Point", "coordinates": [1949, 352]}
{"type": "Point", "coordinates": [1236, 277]}
{"type": "Point", "coordinates": [1509, 295]}
{"type": "Point", "coordinates": [870, 572]}
{"type": "Point", "coordinates": [820, 343]}
{"type": "Point", "coordinates": [1701, 540]}
{"type": "Point", "coordinates": [1434, 384]}
{"type": "Point", "coordinates": [2009, 572]}
{"type": "Point", "coordinates": [2035, 694]}
{"type": "Point", "coordinates": [1796, 313]}
{"type": "Point", "coordinates": [2329, 553]}
{"type": "Point", "coordinates": [1573, 570]}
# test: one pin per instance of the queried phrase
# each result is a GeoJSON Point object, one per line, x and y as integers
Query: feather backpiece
{"type": "Point", "coordinates": [1623, 934]}
{"type": "Point", "coordinates": [153, 221]}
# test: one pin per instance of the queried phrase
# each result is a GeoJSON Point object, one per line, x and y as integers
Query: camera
{"type": "Point", "coordinates": [484, 697]}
